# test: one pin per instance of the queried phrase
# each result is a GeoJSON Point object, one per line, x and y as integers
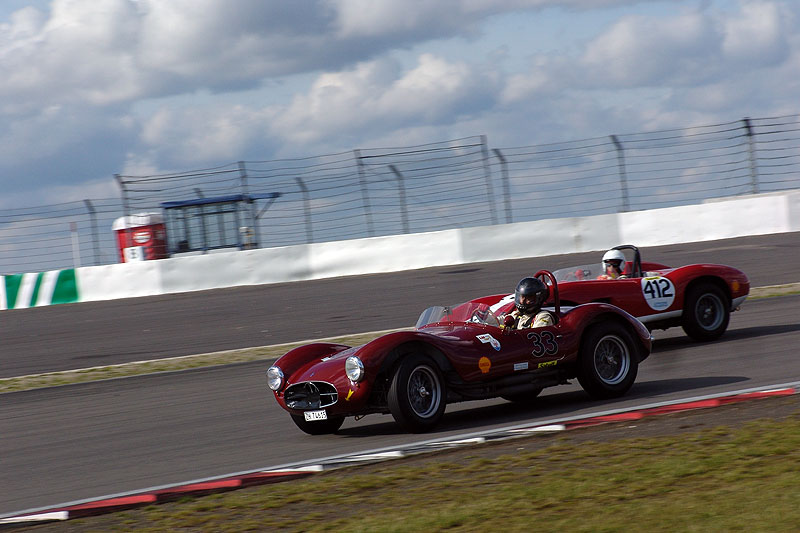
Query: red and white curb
{"type": "Point", "coordinates": [262, 477]}
{"type": "Point", "coordinates": [108, 505]}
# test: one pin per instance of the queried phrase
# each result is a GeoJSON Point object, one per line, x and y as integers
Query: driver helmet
{"type": "Point", "coordinates": [615, 259]}
{"type": "Point", "coordinates": [529, 295]}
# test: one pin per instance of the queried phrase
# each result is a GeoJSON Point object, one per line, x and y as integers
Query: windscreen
{"type": "Point", "coordinates": [469, 312]}
{"type": "Point", "coordinates": [579, 273]}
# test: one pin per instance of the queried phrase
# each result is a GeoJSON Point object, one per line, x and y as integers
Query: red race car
{"type": "Point", "coordinates": [699, 297]}
{"type": "Point", "coordinates": [458, 353]}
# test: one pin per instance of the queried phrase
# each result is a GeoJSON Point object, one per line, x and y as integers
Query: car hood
{"type": "Point", "coordinates": [323, 365]}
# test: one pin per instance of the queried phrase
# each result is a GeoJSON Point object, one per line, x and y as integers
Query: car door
{"type": "Point", "coordinates": [638, 296]}
{"type": "Point", "coordinates": [503, 352]}
{"type": "Point", "coordinates": [645, 296]}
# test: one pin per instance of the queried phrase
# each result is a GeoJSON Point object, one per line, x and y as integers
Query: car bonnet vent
{"type": "Point", "coordinates": [310, 395]}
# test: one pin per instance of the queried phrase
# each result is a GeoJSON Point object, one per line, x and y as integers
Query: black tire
{"type": "Point", "coordinates": [417, 395]}
{"type": "Point", "coordinates": [706, 312]}
{"type": "Point", "coordinates": [523, 397]}
{"type": "Point", "coordinates": [608, 361]}
{"type": "Point", "coordinates": [319, 427]}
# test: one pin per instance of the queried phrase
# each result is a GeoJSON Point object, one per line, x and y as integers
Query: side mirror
{"type": "Point", "coordinates": [508, 321]}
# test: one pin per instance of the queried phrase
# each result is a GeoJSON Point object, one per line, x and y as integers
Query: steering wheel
{"type": "Point", "coordinates": [478, 316]}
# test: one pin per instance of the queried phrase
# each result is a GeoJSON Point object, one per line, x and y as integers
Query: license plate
{"type": "Point", "coordinates": [315, 415]}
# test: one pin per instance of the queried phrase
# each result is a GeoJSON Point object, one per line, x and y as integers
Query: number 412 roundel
{"type": "Point", "coordinates": [659, 293]}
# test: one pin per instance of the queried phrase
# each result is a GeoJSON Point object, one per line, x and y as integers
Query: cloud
{"type": "Point", "coordinates": [647, 51]}
{"type": "Point", "coordinates": [103, 52]}
{"type": "Point", "coordinates": [379, 96]}
{"type": "Point", "coordinates": [96, 87]}
{"type": "Point", "coordinates": [697, 51]}
{"type": "Point", "coordinates": [196, 136]}
{"type": "Point", "coordinates": [378, 18]}
{"type": "Point", "coordinates": [80, 53]}
{"type": "Point", "coordinates": [758, 35]}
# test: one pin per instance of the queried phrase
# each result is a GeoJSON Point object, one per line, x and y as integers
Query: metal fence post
{"type": "Point", "coordinates": [125, 213]}
{"type": "Point", "coordinates": [203, 226]}
{"type": "Point", "coordinates": [623, 179]}
{"type": "Point", "coordinates": [402, 190]}
{"type": "Point", "coordinates": [93, 222]}
{"type": "Point", "coordinates": [488, 172]}
{"type": "Point", "coordinates": [246, 192]}
{"type": "Point", "coordinates": [306, 210]}
{"type": "Point", "coordinates": [751, 145]}
{"type": "Point", "coordinates": [76, 245]}
{"type": "Point", "coordinates": [364, 193]}
{"type": "Point", "coordinates": [506, 184]}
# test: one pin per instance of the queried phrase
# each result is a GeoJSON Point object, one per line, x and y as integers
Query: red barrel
{"type": "Point", "coordinates": [141, 237]}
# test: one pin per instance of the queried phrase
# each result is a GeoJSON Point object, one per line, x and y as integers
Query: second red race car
{"type": "Point", "coordinates": [697, 297]}
{"type": "Point", "coordinates": [458, 353]}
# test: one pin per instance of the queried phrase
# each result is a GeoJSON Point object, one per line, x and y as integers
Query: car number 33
{"type": "Point", "coordinates": [544, 343]}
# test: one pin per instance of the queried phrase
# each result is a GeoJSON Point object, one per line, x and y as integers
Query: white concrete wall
{"type": "Point", "coordinates": [123, 280]}
{"type": "Point", "coordinates": [725, 218]}
{"type": "Point", "coordinates": [538, 238]}
{"type": "Point", "coordinates": [229, 269]}
{"type": "Point", "coordinates": [754, 215]}
{"type": "Point", "coordinates": [793, 207]}
{"type": "Point", "coordinates": [392, 253]}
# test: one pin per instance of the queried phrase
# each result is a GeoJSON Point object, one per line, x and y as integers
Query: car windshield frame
{"type": "Point", "coordinates": [579, 273]}
{"type": "Point", "coordinates": [463, 313]}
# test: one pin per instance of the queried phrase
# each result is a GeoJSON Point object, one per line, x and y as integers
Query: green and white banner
{"type": "Point", "coordinates": [20, 291]}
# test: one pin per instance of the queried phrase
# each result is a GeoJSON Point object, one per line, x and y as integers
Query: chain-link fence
{"type": "Point", "coordinates": [49, 237]}
{"type": "Point", "coordinates": [385, 191]}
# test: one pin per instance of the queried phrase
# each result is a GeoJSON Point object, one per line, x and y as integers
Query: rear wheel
{"type": "Point", "coordinates": [608, 362]}
{"type": "Point", "coordinates": [318, 427]}
{"type": "Point", "coordinates": [417, 395]}
{"type": "Point", "coordinates": [706, 312]}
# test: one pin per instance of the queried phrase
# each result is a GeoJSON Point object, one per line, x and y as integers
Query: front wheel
{"type": "Point", "coordinates": [706, 312]}
{"type": "Point", "coordinates": [417, 395]}
{"type": "Point", "coordinates": [318, 427]}
{"type": "Point", "coordinates": [608, 361]}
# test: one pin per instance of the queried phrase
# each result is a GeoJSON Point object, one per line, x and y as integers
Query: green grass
{"type": "Point", "coordinates": [722, 479]}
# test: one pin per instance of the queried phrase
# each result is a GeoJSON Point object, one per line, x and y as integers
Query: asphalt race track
{"type": "Point", "coordinates": [75, 442]}
{"type": "Point", "coordinates": [64, 337]}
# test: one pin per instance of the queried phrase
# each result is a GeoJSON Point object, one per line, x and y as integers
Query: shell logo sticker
{"type": "Point", "coordinates": [484, 364]}
{"type": "Point", "coordinates": [141, 236]}
{"type": "Point", "coordinates": [488, 339]}
{"type": "Point", "coordinates": [658, 292]}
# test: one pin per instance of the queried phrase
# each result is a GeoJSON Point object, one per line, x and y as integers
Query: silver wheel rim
{"type": "Point", "coordinates": [709, 311]}
{"type": "Point", "coordinates": [424, 391]}
{"type": "Point", "coordinates": [612, 360]}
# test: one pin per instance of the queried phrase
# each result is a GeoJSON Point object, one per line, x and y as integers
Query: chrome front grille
{"type": "Point", "coordinates": [310, 395]}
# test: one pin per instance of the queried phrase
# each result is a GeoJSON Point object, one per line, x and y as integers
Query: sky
{"type": "Point", "coordinates": [91, 88]}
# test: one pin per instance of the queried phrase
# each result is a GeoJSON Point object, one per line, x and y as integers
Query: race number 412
{"type": "Point", "coordinates": [659, 293]}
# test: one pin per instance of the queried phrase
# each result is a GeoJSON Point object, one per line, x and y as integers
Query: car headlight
{"type": "Point", "coordinates": [275, 378]}
{"type": "Point", "coordinates": [354, 369]}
